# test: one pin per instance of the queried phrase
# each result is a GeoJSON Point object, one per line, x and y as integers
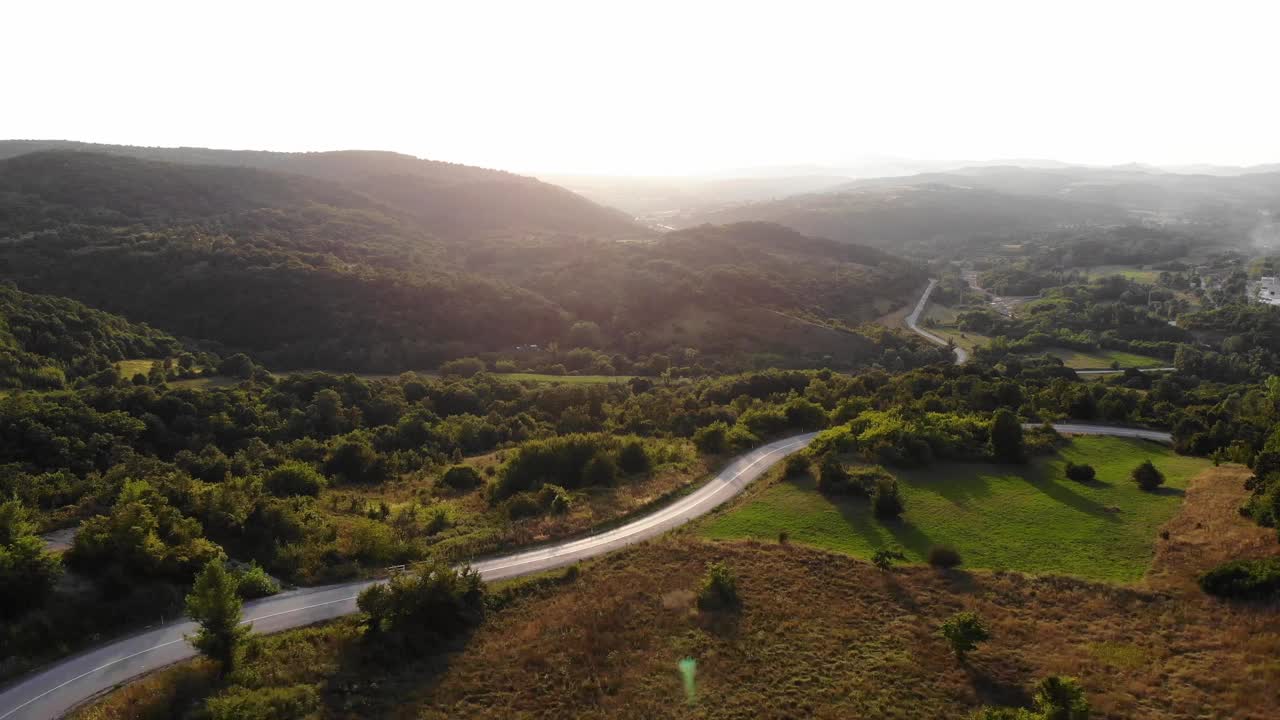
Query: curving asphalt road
{"type": "Point", "coordinates": [962, 355]}
{"type": "Point", "coordinates": [60, 687]}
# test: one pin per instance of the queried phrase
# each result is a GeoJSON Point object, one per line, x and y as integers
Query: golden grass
{"type": "Point", "coordinates": [821, 635]}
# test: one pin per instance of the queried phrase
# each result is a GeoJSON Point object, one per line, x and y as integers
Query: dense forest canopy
{"type": "Point", "coordinates": [307, 273]}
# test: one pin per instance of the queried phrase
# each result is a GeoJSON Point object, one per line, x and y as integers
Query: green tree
{"type": "Point", "coordinates": [214, 602]}
{"type": "Point", "coordinates": [633, 458]}
{"type": "Point", "coordinates": [712, 439]}
{"type": "Point", "coordinates": [294, 478]}
{"type": "Point", "coordinates": [963, 631]}
{"type": "Point", "coordinates": [1006, 437]}
{"type": "Point", "coordinates": [886, 501]}
{"type": "Point", "coordinates": [237, 366]}
{"type": "Point", "coordinates": [1061, 698]}
{"type": "Point", "coordinates": [719, 588]}
{"type": "Point", "coordinates": [27, 573]}
{"type": "Point", "coordinates": [1147, 476]}
{"type": "Point", "coordinates": [600, 471]}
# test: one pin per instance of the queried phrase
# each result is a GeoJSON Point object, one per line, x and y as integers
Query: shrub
{"type": "Point", "coordinates": [254, 582]}
{"type": "Point", "coordinates": [886, 502]}
{"type": "Point", "coordinates": [712, 439]}
{"type": "Point", "coordinates": [267, 703]}
{"type": "Point", "coordinates": [719, 588]}
{"type": "Point", "coordinates": [417, 610]}
{"type": "Point", "coordinates": [600, 471]}
{"type": "Point", "coordinates": [522, 506]}
{"type": "Point", "coordinates": [1006, 437]}
{"type": "Point", "coordinates": [943, 556]}
{"type": "Point", "coordinates": [1081, 472]}
{"type": "Point", "coordinates": [741, 438]}
{"type": "Point", "coordinates": [963, 631]}
{"type": "Point", "coordinates": [463, 367]}
{"type": "Point", "coordinates": [797, 464]}
{"type": "Point", "coordinates": [355, 461]}
{"type": "Point", "coordinates": [563, 459]}
{"type": "Point", "coordinates": [1061, 698]}
{"type": "Point", "coordinates": [1147, 476]}
{"type": "Point", "coordinates": [633, 458]}
{"type": "Point", "coordinates": [832, 478]}
{"type": "Point", "coordinates": [461, 477]}
{"type": "Point", "coordinates": [294, 478]}
{"type": "Point", "coordinates": [1244, 579]}
{"type": "Point", "coordinates": [555, 499]}
{"type": "Point", "coordinates": [884, 559]}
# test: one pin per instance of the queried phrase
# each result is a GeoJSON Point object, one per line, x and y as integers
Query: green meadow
{"type": "Point", "coordinates": [1028, 518]}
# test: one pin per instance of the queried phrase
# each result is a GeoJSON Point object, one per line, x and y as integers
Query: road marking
{"type": "Point", "coordinates": [162, 645]}
{"type": "Point", "coordinates": [659, 517]}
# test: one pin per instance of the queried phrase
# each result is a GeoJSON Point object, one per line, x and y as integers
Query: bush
{"type": "Point", "coordinates": [797, 464]}
{"type": "Point", "coordinates": [522, 506]}
{"type": "Point", "coordinates": [1061, 698]}
{"type": "Point", "coordinates": [600, 471]}
{"type": "Point", "coordinates": [254, 582]}
{"type": "Point", "coordinates": [355, 461]}
{"type": "Point", "coordinates": [267, 703]}
{"type": "Point", "coordinates": [886, 502]}
{"type": "Point", "coordinates": [741, 438]}
{"type": "Point", "coordinates": [719, 588]}
{"type": "Point", "coordinates": [461, 477]}
{"type": "Point", "coordinates": [943, 556]}
{"type": "Point", "coordinates": [633, 458]}
{"type": "Point", "coordinates": [1244, 579]}
{"type": "Point", "coordinates": [884, 559]}
{"type": "Point", "coordinates": [554, 499]}
{"type": "Point", "coordinates": [417, 610]}
{"type": "Point", "coordinates": [712, 439]}
{"type": "Point", "coordinates": [963, 631]}
{"type": "Point", "coordinates": [294, 478]}
{"type": "Point", "coordinates": [1081, 472]}
{"type": "Point", "coordinates": [463, 367]}
{"type": "Point", "coordinates": [832, 478]}
{"type": "Point", "coordinates": [1147, 476]}
{"type": "Point", "coordinates": [1006, 437]}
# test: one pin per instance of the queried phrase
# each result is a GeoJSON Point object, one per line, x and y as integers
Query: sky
{"type": "Point", "coordinates": [655, 87]}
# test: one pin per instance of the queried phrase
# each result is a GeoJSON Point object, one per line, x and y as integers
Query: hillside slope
{"type": "Point", "coordinates": [453, 200]}
{"type": "Point", "coordinates": [304, 272]}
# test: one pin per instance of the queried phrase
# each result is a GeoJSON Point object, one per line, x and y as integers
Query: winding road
{"type": "Point", "coordinates": [962, 355]}
{"type": "Point", "coordinates": [912, 320]}
{"type": "Point", "coordinates": [58, 688]}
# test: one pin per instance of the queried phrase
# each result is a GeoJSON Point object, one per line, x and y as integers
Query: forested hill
{"type": "Point", "coordinates": [47, 341]}
{"type": "Point", "coordinates": [902, 216]}
{"type": "Point", "coordinates": [456, 201]}
{"type": "Point", "coordinates": [303, 272]}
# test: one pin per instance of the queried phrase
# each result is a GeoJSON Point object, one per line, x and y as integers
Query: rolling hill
{"type": "Point", "coordinates": [456, 201]}
{"type": "Point", "coordinates": [303, 271]}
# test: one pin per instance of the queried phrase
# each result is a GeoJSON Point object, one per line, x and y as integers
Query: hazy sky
{"type": "Point", "coordinates": [655, 87]}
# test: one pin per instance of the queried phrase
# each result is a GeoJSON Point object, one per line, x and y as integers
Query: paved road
{"type": "Point", "coordinates": [56, 689]}
{"type": "Point", "coordinates": [1110, 430]}
{"type": "Point", "coordinates": [1117, 372]}
{"type": "Point", "coordinates": [61, 687]}
{"type": "Point", "coordinates": [962, 355]}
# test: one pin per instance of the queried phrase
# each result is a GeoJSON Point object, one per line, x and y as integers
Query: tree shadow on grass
{"type": "Point", "coordinates": [373, 679]}
{"type": "Point", "coordinates": [1039, 478]}
{"type": "Point", "coordinates": [953, 482]}
{"type": "Point", "coordinates": [994, 688]}
{"type": "Point", "coordinates": [1169, 492]}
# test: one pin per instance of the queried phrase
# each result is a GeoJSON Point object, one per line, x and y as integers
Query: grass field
{"type": "Point", "coordinates": [1133, 273]}
{"type": "Point", "coordinates": [129, 368]}
{"type": "Point", "coordinates": [1102, 359]}
{"type": "Point", "coordinates": [817, 636]}
{"type": "Point", "coordinates": [1027, 518]}
{"type": "Point", "coordinates": [570, 379]}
